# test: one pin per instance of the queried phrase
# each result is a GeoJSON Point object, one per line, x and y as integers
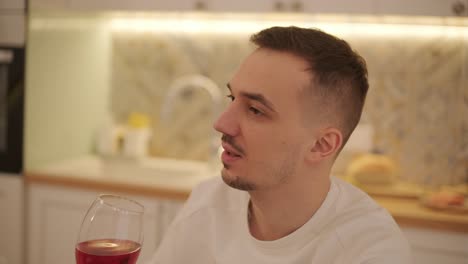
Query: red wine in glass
{"type": "Point", "coordinates": [107, 251]}
{"type": "Point", "coordinates": [111, 232]}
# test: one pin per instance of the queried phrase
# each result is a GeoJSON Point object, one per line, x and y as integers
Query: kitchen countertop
{"type": "Point", "coordinates": [92, 172]}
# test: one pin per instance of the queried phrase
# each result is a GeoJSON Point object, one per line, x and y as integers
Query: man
{"type": "Point", "coordinates": [295, 101]}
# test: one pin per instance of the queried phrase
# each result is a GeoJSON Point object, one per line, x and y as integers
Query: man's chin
{"type": "Point", "coordinates": [236, 182]}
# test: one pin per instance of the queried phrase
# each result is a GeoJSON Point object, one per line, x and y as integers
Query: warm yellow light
{"type": "Point", "coordinates": [233, 23]}
{"type": "Point", "coordinates": [243, 24]}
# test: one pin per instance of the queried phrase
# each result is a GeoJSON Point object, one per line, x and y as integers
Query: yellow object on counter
{"type": "Point", "coordinates": [372, 169]}
{"type": "Point", "coordinates": [138, 120]}
{"type": "Point", "coordinates": [137, 136]}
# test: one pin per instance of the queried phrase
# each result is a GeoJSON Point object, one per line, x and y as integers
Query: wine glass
{"type": "Point", "coordinates": [111, 231]}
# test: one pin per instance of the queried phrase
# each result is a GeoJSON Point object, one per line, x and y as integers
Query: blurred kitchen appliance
{"type": "Point", "coordinates": [12, 68]}
{"type": "Point", "coordinates": [12, 61]}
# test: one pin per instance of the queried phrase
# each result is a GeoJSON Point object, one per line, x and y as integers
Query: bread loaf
{"type": "Point", "coordinates": [372, 169]}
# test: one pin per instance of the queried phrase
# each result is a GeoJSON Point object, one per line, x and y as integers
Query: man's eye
{"type": "Point", "coordinates": [255, 111]}
{"type": "Point", "coordinates": [230, 96]}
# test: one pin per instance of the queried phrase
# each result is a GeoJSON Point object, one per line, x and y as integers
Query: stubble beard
{"type": "Point", "coordinates": [280, 175]}
{"type": "Point", "coordinates": [235, 181]}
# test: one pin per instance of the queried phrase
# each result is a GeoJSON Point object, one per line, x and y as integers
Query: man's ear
{"type": "Point", "coordinates": [328, 143]}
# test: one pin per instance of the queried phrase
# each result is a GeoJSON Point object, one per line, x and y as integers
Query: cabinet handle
{"type": "Point", "coordinates": [297, 6]}
{"type": "Point", "coordinates": [279, 6]}
{"type": "Point", "coordinates": [200, 6]}
{"type": "Point", "coordinates": [458, 8]}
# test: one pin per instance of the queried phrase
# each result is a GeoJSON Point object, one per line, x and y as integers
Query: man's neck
{"type": "Point", "coordinates": [278, 212]}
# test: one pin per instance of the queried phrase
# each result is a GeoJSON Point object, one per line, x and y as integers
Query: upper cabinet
{"type": "Point", "coordinates": [12, 22]}
{"type": "Point", "coordinates": [300, 6]}
{"type": "Point", "coordinates": [422, 7]}
{"type": "Point", "coordinates": [11, 4]}
{"type": "Point", "coordinates": [238, 6]}
{"type": "Point", "coordinates": [371, 7]}
{"type": "Point", "coordinates": [47, 4]}
{"type": "Point", "coordinates": [331, 6]}
{"type": "Point", "coordinates": [137, 5]}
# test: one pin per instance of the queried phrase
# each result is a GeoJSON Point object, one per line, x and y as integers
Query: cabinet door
{"type": "Point", "coordinates": [304, 6]}
{"type": "Point", "coordinates": [48, 4]}
{"type": "Point", "coordinates": [11, 221]}
{"type": "Point", "coordinates": [334, 6]}
{"type": "Point", "coordinates": [54, 219]}
{"type": "Point", "coordinates": [141, 5]}
{"type": "Point", "coordinates": [420, 7]}
{"type": "Point", "coordinates": [109, 5]}
{"type": "Point", "coordinates": [12, 4]}
{"type": "Point", "coordinates": [185, 5]}
{"type": "Point", "coordinates": [247, 6]}
{"type": "Point", "coordinates": [12, 27]}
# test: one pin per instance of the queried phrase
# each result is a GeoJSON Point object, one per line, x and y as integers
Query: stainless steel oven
{"type": "Point", "coordinates": [11, 108]}
{"type": "Point", "coordinates": [12, 67]}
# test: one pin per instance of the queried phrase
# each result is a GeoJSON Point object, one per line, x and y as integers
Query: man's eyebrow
{"type": "Point", "coordinates": [256, 97]}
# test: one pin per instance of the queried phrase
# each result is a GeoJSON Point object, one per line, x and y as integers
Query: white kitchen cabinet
{"type": "Point", "coordinates": [111, 5]}
{"type": "Point", "coordinates": [12, 23]}
{"type": "Point", "coordinates": [422, 7]}
{"type": "Point", "coordinates": [247, 6]}
{"type": "Point", "coordinates": [370, 7]}
{"type": "Point", "coordinates": [48, 4]}
{"type": "Point", "coordinates": [12, 27]}
{"type": "Point", "coordinates": [55, 214]}
{"type": "Point", "coordinates": [437, 247]}
{"type": "Point", "coordinates": [149, 5]}
{"type": "Point", "coordinates": [380, 7]}
{"type": "Point", "coordinates": [11, 221]}
{"type": "Point", "coordinates": [332, 6]}
{"type": "Point", "coordinates": [314, 6]}
{"type": "Point", "coordinates": [140, 5]}
{"type": "Point", "coordinates": [12, 4]}
{"type": "Point", "coordinates": [291, 6]}
{"type": "Point", "coordinates": [185, 5]}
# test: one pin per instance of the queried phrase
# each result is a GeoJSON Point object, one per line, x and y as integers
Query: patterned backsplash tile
{"type": "Point", "coordinates": [417, 103]}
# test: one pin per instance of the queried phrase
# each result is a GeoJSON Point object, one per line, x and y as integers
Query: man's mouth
{"type": "Point", "coordinates": [230, 147]}
{"type": "Point", "coordinates": [231, 150]}
{"type": "Point", "coordinates": [231, 154]}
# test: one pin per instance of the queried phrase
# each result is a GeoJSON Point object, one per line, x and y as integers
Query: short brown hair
{"type": "Point", "coordinates": [338, 72]}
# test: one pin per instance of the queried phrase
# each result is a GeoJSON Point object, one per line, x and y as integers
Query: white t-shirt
{"type": "Point", "coordinates": [348, 228]}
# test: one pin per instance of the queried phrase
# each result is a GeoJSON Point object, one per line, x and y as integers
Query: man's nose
{"type": "Point", "coordinates": [228, 123]}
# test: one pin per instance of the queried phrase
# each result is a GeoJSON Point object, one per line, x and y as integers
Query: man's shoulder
{"type": "Point", "coordinates": [358, 213]}
{"type": "Point", "coordinates": [356, 206]}
{"type": "Point", "coordinates": [353, 200]}
{"type": "Point", "coordinates": [365, 226]}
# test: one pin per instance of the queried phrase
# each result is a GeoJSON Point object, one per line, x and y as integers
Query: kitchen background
{"type": "Point", "coordinates": [416, 106]}
{"type": "Point", "coordinates": [94, 66]}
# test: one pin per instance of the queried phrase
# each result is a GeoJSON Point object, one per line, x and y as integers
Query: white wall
{"type": "Point", "coordinates": [67, 86]}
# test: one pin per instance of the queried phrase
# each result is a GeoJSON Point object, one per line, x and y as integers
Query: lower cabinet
{"type": "Point", "coordinates": [54, 217]}
{"type": "Point", "coordinates": [437, 247]}
{"type": "Point", "coordinates": [11, 219]}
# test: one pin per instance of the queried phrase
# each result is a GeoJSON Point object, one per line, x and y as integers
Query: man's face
{"type": "Point", "coordinates": [264, 134]}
